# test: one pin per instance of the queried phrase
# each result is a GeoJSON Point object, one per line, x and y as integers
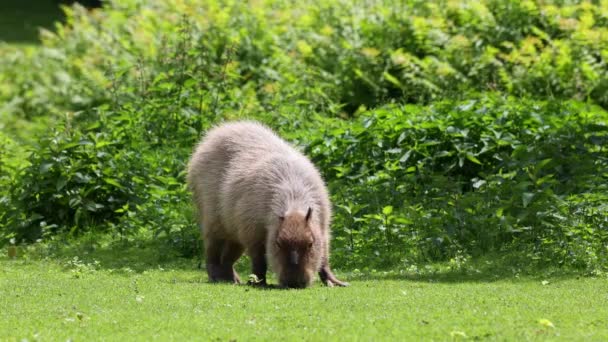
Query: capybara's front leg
{"type": "Point", "coordinates": [231, 252]}
{"type": "Point", "coordinates": [258, 265]}
{"type": "Point", "coordinates": [328, 278]}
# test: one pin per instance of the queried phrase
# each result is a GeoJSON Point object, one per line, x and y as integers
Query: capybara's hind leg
{"type": "Point", "coordinates": [213, 256]}
{"type": "Point", "coordinates": [232, 251]}
{"type": "Point", "coordinates": [221, 256]}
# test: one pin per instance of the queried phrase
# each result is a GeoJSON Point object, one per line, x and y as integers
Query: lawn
{"type": "Point", "coordinates": [52, 300]}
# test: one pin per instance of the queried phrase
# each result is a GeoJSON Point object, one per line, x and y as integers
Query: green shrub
{"type": "Point", "coordinates": [75, 178]}
{"type": "Point", "coordinates": [441, 128]}
{"type": "Point", "coordinates": [484, 175]}
{"type": "Point", "coordinates": [324, 57]}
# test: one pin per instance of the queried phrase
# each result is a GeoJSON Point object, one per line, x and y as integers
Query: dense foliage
{"type": "Point", "coordinates": [444, 130]}
{"type": "Point", "coordinates": [486, 174]}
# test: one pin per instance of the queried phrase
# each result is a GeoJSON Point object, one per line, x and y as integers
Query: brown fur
{"type": "Point", "coordinates": [254, 192]}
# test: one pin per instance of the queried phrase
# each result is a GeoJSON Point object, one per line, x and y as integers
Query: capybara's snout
{"type": "Point", "coordinates": [296, 285]}
{"type": "Point", "coordinates": [296, 277]}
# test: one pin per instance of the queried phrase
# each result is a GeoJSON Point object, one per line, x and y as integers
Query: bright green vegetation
{"type": "Point", "coordinates": [445, 131]}
{"type": "Point", "coordinates": [86, 301]}
{"type": "Point", "coordinates": [464, 145]}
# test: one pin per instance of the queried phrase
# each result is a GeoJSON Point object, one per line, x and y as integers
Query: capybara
{"type": "Point", "coordinates": [256, 193]}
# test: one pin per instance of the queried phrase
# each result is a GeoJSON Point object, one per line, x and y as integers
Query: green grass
{"type": "Point", "coordinates": [52, 300]}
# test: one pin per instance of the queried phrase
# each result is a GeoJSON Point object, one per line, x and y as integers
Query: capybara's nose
{"type": "Point", "coordinates": [294, 258]}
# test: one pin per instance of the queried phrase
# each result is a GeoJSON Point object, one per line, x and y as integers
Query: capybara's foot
{"type": "Point", "coordinates": [222, 273]}
{"type": "Point", "coordinates": [328, 278]}
{"type": "Point", "coordinates": [336, 282]}
{"type": "Point", "coordinates": [256, 281]}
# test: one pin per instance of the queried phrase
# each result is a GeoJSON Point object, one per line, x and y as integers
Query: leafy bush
{"type": "Point", "coordinates": [476, 176]}
{"type": "Point", "coordinates": [442, 129]}
{"type": "Point", "coordinates": [75, 178]}
{"type": "Point", "coordinates": [328, 56]}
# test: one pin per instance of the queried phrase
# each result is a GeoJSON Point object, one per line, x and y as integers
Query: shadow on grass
{"type": "Point", "coordinates": [483, 270]}
{"type": "Point", "coordinates": [123, 256]}
{"type": "Point", "coordinates": [106, 254]}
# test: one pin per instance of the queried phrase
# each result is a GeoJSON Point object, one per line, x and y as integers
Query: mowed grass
{"type": "Point", "coordinates": [47, 300]}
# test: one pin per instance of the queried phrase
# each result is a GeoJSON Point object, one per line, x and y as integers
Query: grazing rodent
{"type": "Point", "coordinates": [256, 193]}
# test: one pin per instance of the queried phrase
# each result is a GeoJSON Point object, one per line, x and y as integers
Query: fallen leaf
{"type": "Point", "coordinates": [456, 334]}
{"type": "Point", "coordinates": [545, 322]}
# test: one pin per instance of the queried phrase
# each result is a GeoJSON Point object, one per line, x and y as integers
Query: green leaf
{"type": "Point", "coordinates": [543, 163]}
{"type": "Point", "coordinates": [473, 158]}
{"type": "Point", "coordinates": [499, 212]}
{"type": "Point", "coordinates": [387, 210]}
{"type": "Point", "coordinates": [113, 182]}
{"type": "Point", "coordinates": [60, 184]}
{"type": "Point", "coordinates": [45, 167]}
{"type": "Point", "coordinates": [392, 79]}
{"type": "Point", "coordinates": [479, 183]}
{"type": "Point", "coordinates": [526, 198]}
{"type": "Point", "coordinates": [405, 156]}
{"type": "Point", "coordinates": [546, 323]}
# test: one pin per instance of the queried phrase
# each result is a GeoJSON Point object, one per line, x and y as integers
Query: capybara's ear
{"type": "Point", "coordinates": [308, 214]}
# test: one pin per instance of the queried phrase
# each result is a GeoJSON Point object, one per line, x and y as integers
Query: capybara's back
{"type": "Point", "coordinates": [255, 192]}
{"type": "Point", "coordinates": [227, 150]}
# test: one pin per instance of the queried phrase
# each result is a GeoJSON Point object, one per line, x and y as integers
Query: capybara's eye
{"type": "Point", "coordinates": [309, 245]}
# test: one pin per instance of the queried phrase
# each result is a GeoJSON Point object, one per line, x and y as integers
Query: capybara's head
{"type": "Point", "coordinates": [297, 249]}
